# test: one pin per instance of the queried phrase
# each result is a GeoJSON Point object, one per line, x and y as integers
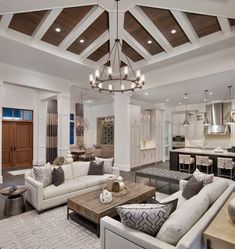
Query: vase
{"type": "Point", "coordinates": [231, 210]}
{"type": "Point", "coordinates": [110, 181]}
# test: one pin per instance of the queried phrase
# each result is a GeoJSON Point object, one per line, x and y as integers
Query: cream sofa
{"type": "Point", "coordinates": [115, 235]}
{"type": "Point", "coordinates": [77, 181]}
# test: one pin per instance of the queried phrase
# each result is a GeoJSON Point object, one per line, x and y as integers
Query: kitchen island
{"type": "Point", "coordinates": [174, 156]}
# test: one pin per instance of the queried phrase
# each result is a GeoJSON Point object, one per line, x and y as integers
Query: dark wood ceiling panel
{"type": "Point", "coordinates": [232, 22]}
{"type": "Point", "coordinates": [203, 24]}
{"type": "Point", "coordinates": [100, 52]}
{"type": "Point", "coordinates": [134, 28]}
{"type": "Point", "coordinates": [97, 28]}
{"type": "Point", "coordinates": [130, 52]}
{"type": "Point", "coordinates": [165, 22]}
{"type": "Point", "coordinates": [66, 21]}
{"type": "Point", "coordinates": [27, 22]}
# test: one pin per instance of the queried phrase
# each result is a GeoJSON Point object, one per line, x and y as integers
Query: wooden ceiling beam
{"type": "Point", "coordinates": [205, 7]}
{"type": "Point", "coordinates": [139, 14]}
{"type": "Point", "coordinates": [16, 6]}
{"type": "Point", "coordinates": [185, 24]}
{"type": "Point", "coordinates": [224, 25]}
{"type": "Point", "coordinates": [136, 46]}
{"type": "Point", "coordinates": [95, 45]}
{"type": "Point", "coordinates": [89, 18]}
{"type": "Point", "coordinates": [45, 24]}
{"type": "Point", "coordinates": [5, 21]}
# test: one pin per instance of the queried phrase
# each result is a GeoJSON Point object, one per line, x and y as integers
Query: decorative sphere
{"type": "Point", "coordinates": [106, 196]}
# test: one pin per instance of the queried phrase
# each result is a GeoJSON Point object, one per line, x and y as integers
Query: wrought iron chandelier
{"type": "Point", "coordinates": [186, 122]}
{"type": "Point", "coordinates": [115, 75]}
{"type": "Point", "coordinates": [206, 120]}
{"type": "Point", "coordinates": [231, 120]}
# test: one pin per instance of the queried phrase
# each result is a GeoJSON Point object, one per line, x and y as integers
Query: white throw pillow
{"type": "Point", "coordinates": [203, 177]}
{"type": "Point", "coordinates": [43, 174]}
{"type": "Point", "coordinates": [214, 190]}
{"type": "Point", "coordinates": [80, 168]}
{"type": "Point", "coordinates": [108, 164]}
{"type": "Point", "coordinates": [68, 172]}
{"type": "Point", "coordinates": [183, 219]}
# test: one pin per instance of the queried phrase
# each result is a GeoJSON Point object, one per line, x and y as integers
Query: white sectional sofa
{"type": "Point", "coordinates": [77, 181]}
{"type": "Point", "coordinates": [114, 235]}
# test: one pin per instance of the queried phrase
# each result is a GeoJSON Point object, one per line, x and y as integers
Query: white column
{"type": "Point", "coordinates": [122, 131]}
{"type": "Point", "coordinates": [63, 123]}
{"type": "Point", "coordinates": [39, 156]}
{"type": "Point", "coordinates": [1, 97]}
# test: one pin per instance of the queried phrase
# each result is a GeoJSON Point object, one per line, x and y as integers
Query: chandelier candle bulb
{"type": "Point", "coordinates": [126, 71]}
{"type": "Point", "coordinates": [123, 87]}
{"type": "Point", "coordinates": [142, 79]}
{"type": "Point", "coordinates": [110, 87]}
{"type": "Point", "coordinates": [138, 74]}
{"type": "Point", "coordinates": [91, 79]}
{"type": "Point", "coordinates": [100, 85]}
{"type": "Point", "coordinates": [109, 71]}
{"type": "Point", "coordinates": [97, 74]}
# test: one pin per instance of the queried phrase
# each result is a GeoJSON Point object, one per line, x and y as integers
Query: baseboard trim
{"type": "Point", "coordinates": [1, 179]}
{"type": "Point", "coordinates": [123, 167]}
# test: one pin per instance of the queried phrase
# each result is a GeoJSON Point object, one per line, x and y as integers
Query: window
{"type": "Point", "coordinates": [71, 136]}
{"type": "Point", "coordinates": [17, 114]}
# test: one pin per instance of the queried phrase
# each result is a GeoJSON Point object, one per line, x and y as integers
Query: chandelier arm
{"type": "Point", "coordinates": [129, 64]}
{"type": "Point", "coordinates": [119, 66]}
{"type": "Point", "coordinates": [117, 17]}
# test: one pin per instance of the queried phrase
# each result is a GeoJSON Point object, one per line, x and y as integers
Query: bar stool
{"type": "Point", "coordinates": [225, 164]}
{"type": "Point", "coordinates": [185, 163]}
{"type": "Point", "coordinates": [204, 161]}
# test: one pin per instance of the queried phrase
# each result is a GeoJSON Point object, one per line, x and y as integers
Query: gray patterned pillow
{"type": "Point", "coordinates": [147, 218]}
{"type": "Point", "coordinates": [43, 174]}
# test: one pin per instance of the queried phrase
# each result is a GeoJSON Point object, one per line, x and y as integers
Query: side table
{"type": "Point", "coordinates": [220, 234]}
{"type": "Point", "coordinates": [14, 203]}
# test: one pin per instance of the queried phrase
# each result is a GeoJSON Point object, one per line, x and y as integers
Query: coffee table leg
{"type": "Point", "coordinates": [67, 213]}
{"type": "Point", "coordinates": [98, 230]}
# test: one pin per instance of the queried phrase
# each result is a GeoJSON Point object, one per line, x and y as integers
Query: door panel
{"type": "Point", "coordinates": [17, 144]}
{"type": "Point", "coordinates": [7, 143]}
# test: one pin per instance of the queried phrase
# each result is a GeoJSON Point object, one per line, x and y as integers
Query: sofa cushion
{"type": "Point", "coordinates": [43, 174]}
{"type": "Point", "coordinates": [108, 164]}
{"type": "Point", "coordinates": [67, 187]}
{"type": "Point", "coordinates": [214, 190]}
{"type": "Point", "coordinates": [183, 219]}
{"type": "Point", "coordinates": [147, 218]}
{"type": "Point", "coordinates": [96, 168]}
{"type": "Point", "coordinates": [57, 176]}
{"type": "Point", "coordinates": [68, 172]}
{"type": "Point", "coordinates": [176, 195]}
{"type": "Point", "coordinates": [93, 180]}
{"type": "Point", "coordinates": [80, 168]}
{"type": "Point", "coordinates": [192, 188]}
{"type": "Point", "coordinates": [203, 177]}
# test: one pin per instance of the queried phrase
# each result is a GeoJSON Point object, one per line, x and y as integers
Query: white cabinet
{"type": "Point", "coordinates": [148, 156]}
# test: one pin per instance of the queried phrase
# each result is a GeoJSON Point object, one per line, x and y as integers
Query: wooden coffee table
{"type": "Point", "coordinates": [88, 210]}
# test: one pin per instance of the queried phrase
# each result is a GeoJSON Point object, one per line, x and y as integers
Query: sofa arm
{"type": "Point", "coordinates": [116, 171]}
{"type": "Point", "coordinates": [114, 235]}
{"type": "Point", "coordinates": [34, 195]}
{"type": "Point", "coordinates": [182, 184]}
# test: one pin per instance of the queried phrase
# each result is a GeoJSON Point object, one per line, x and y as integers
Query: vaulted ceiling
{"type": "Point", "coordinates": [84, 31]}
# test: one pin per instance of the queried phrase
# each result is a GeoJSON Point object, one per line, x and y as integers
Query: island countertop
{"type": "Point", "coordinates": [204, 151]}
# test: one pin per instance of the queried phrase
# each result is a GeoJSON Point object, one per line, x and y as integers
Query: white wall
{"type": "Point", "coordinates": [92, 113]}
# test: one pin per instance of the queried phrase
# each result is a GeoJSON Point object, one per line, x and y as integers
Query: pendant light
{"type": "Point", "coordinates": [206, 121]}
{"type": "Point", "coordinates": [186, 122]}
{"type": "Point", "coordinates": [231, 119]}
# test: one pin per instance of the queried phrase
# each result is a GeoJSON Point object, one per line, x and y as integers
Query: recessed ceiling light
{"type": "Point", "coordinates": [180, 103]}
{"type": "Point", "coordinates": [149, 42]}
{"type": "Point", "coordinates": [58, 30]}
{"type": "Point", "coordinates": [210, 93]}
{"type": "Point", "coordinates": [205, 100]}
{"type": "Point", "coordinates": [167, 100]}
{"type": "Point", "coordinates": [173, 31]}
{"type": "Point", "coordinates": [89, 101]}
{"type": "Point", "coordinates": [81, 41]}
{"type": "Point", "coordinates": [146, 93]}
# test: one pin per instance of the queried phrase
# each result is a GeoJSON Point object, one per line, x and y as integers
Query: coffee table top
{"type": "Point", "coordinates": [20, 190]}
{"type": "Point", "coordinates": [89, 204]}
{"type": "Point", "coordinates": [163, 174]}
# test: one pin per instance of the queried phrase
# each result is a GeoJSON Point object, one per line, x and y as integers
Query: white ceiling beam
{"type": "Point", "coordinates": [136, 46]}
{"type": "Point", "coordinates": [206, 7]}
{"type": "Point", "coordinates": [5, 21]}
{"type": "Point", "coordinates": [95, 45]}
{"type": "Point", "coordinates": [45, 24]}
{"type": "Point", "coordinates": [139, 14]}
{"type": "Point", "coordinates": [224, 24]}
{"type": "Point", "coordinates": [16, 6]}
{"type": "Point", "coordinates": [187, 27]}
{"type": "Point", "coordinates": [89, 18]}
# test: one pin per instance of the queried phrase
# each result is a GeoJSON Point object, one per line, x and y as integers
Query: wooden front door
{"type": "Point", "coordinates": [17, 144]}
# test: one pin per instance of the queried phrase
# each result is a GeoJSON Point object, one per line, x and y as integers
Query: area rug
{"type": "Point", "coordinates": [50, 229]}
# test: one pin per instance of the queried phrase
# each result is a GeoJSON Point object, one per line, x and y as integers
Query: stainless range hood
{"type": "Point", "coordinates": [218, 114]}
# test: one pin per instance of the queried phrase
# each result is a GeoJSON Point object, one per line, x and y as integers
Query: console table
{"type": "Point", "coordinates": [221, 232]}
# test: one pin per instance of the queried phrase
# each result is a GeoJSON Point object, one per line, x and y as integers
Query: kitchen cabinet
{"type": "Point", "coordinates": [148, 156]}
